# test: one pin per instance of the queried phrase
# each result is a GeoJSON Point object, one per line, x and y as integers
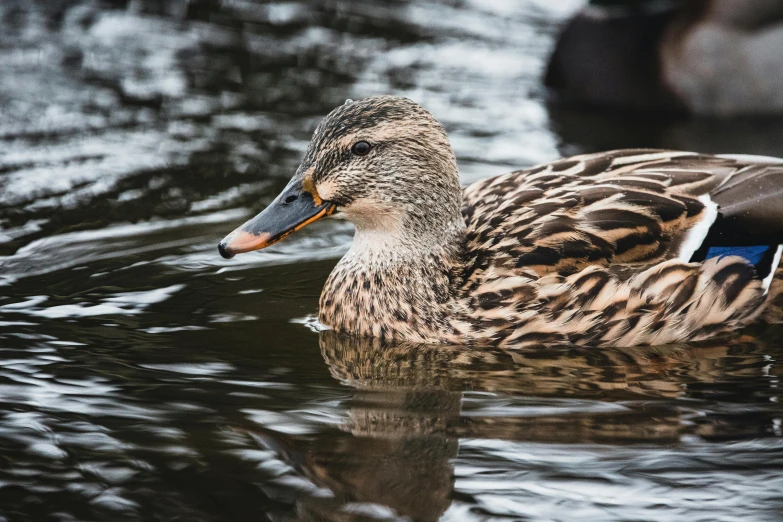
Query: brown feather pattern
{"type": "Point", "coordinates": [593, 240]}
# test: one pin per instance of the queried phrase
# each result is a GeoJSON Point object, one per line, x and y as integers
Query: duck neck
{"type": "Point", "coordinates": [397, 281]}
{"type": "Point", "coordinates": [386, 238]}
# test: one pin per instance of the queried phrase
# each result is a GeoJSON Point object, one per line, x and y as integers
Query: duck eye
{"type": "Point", "coordinates": [360, 148]}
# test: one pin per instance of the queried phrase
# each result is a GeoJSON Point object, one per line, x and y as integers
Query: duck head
{"type": "Point", "coordinates": [384, 162]}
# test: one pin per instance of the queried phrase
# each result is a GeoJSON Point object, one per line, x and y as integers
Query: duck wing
{"type": "Point", "coordinates": [626, 210]}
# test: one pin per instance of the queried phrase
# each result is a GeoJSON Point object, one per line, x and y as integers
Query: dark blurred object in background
{"type": "Point", "coordinates": [706, 57]}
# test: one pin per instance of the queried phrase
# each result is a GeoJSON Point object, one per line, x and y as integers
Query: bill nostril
{"type": "Point", "coordinates": [291, 199]}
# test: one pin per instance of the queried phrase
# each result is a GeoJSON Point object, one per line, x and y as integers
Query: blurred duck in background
{"type": "Point", "coordinates": [703, 57]}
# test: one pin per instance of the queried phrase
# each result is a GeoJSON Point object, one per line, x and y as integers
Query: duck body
{"type": "Point", "coordinates": [593, 249]}
{"type": "Point", "coordinates": [618, 248]}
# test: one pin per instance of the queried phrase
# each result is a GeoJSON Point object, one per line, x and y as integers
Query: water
{"type": "Point", "coordinates": [143, 377]}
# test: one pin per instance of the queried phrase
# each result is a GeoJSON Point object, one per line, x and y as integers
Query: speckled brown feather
{"type": "Point", "coordinates": [626, 207]}
{"type": "Point", "coordinates": [592, 242]}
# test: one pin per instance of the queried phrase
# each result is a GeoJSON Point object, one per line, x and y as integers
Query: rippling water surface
{"type": "Point", "coordinates": [143, 377]}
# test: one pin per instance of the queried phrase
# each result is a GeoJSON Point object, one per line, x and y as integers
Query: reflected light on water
{"type": "Point", "coordinates": [142, 377]}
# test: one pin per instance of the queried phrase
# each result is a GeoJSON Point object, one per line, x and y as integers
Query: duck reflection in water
{"type": "Point", "coordinates": [412, 404]}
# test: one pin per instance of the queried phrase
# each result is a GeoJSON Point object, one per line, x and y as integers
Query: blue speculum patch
{"type": "Point", "coordinates": [754, 254]}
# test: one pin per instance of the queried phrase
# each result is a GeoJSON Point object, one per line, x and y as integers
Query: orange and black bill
{"type": "Point", "coordinates": [294, 208]}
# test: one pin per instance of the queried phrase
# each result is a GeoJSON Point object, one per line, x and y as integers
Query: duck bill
{"type": "Point", "coordinates": [293, 209]}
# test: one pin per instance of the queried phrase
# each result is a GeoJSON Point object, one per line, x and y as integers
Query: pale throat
{"type": "Point", "coordinates": [384, 236]}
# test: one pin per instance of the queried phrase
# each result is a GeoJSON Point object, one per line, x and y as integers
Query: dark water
{"type": "Point", "coordinates": [143, 377]}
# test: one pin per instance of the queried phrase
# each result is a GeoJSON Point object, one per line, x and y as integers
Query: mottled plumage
{"type": "Point", "coordinates": [618, 248]}
{"type": "Point", "coordinates": [600, 242]}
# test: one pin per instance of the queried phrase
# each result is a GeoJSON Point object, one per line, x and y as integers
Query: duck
{"type": "Point", "coordinates": [716, 58]}
{"type": "Point", "coordinates": [619, 248]}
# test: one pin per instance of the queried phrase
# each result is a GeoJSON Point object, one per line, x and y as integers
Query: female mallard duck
{"type": "Point", "coordinates": [618, 248]}
{"type": "Point", "coordinates": [709, 57]}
